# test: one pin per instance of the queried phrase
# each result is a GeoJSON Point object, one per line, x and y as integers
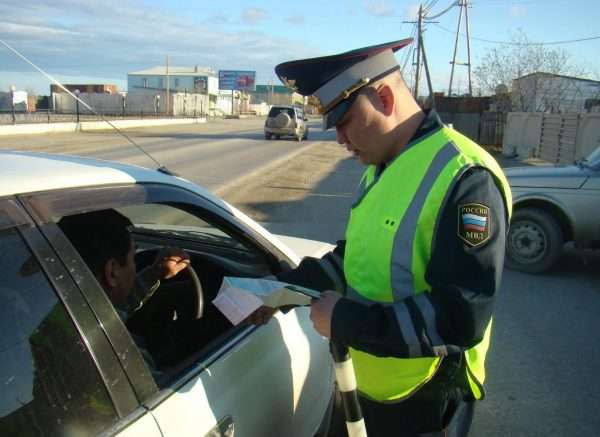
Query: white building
{"type": "Point", "coordinates": [545, 92]}
{"type": "Point", "coordinates": [191, 89]}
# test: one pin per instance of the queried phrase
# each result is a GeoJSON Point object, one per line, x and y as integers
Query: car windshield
{"type": "Point", "coordinates": [594, 159]}
{"type": "Point", "coordinates": [275, 111]}
{"type": "Point", "coordinates": [167, 220]}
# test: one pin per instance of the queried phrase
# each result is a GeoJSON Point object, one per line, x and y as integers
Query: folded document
{"type": "Point", "coordinates": [240, 297]}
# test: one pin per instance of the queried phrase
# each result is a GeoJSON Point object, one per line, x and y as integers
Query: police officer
{"type": "Point", "coordinates": [416, 277]}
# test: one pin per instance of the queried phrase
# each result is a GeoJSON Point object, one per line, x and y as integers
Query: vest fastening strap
{"type": "Point", "coordinates": [408, 329]}
{"type": "Point", "coordinates": [428, 313]}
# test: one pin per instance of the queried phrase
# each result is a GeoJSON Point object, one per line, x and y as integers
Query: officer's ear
{"type": "Point", "coordinates": [387, 98]}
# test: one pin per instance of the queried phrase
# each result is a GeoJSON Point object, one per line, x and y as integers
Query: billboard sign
{"type": "Point", "coordinates": [237, 80]}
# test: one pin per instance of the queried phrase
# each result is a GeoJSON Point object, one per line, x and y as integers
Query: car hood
{"type": "Point", "coordinates": [546, 177]}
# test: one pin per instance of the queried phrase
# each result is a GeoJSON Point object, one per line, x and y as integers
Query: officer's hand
{"type": "Point", "coordinates": [170, 261]}
{"type": "Point", "coordinates": [321, 311]}
{"type": "Point", "coordinates": [261, 316]}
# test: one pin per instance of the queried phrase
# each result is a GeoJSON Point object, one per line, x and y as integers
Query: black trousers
{"type": "Point", "coordinates": [427, 419]}
{"type": "Point", "coordinates": [443, 407]}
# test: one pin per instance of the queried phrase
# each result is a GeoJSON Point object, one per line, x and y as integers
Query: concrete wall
{"type": "Point", "coordinates": [224, 103]}
{"type": "Point", "coordinates": [103, 103]}
{"type": "Point", "coordinates": [190, 104]}
{"type": "Point", "coordinates": [523, 133]}
{"type": "Point", "coordinates": [146, 102]}
{"type": "Point", "coordinates": [588, 135]}
{"type": "Point", "coordinates": [142, 102]}
{"type": "Point", "coordinates": [259, 108]}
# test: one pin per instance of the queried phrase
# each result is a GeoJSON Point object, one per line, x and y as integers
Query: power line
{"type": "Point", "coordinates": [407, 54]}
{"type": "Point", "coordinates": [571, 41]}
{"type": "Point", "coordinates": [428, 5]}
{"type": "Point", "coordinates": [454, 3]}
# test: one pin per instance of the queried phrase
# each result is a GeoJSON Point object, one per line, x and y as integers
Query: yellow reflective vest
{"type": "Point", "coordinates": [389, 245]}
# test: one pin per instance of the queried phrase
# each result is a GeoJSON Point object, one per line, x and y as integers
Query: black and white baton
{"type": "Point", "coordinates": [346, 379]}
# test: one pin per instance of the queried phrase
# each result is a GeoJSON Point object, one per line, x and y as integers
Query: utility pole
{"type": "Point", "coordinates": [464, 4]}
{"type": "Point", "coordinates": [468, 46]}
{"type": "Point", "coordinates": [416, 93]}
{"type": "Point", "coordinates": [168, 96]}
{"type": "Point", "coordinates": [421, 51]}
{"type": "Point", "coordinates": [431, 96]}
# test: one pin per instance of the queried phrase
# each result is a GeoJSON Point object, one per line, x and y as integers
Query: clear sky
{"type": "Point", "coordinates": [101, 41]}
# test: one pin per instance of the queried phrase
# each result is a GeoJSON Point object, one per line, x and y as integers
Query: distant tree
{"type": "Point", "coordinates": [503, 64]}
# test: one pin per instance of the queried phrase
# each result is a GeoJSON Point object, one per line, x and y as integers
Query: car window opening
{"type": "Point", "coordinates": [161, 315]}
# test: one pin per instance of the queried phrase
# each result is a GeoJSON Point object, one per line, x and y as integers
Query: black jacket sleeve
{"type": "Point", "coordinates": [325, 273]}
{"type": "Point", "coordinates": [464, 277]}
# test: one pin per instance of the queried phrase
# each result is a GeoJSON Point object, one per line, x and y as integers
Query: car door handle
{"type": "Point", "coordinates": [225, 428]}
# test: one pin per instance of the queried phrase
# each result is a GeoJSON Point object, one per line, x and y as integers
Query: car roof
{"type": "Point", "coordinates": [26, 172]}
{"type": "Point", "coordinates": [287, 107]}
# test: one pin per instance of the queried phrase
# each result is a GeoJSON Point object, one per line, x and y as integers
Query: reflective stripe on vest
{"type": "Point", "coordinates": [388, 247]}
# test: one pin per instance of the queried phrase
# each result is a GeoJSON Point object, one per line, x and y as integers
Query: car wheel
{"type": "Point", "coordinates": [277, 137]}
{"type": "Point", "coordinates": [267, 136]}
{"type": "Point", "coordinates": [535, 241]}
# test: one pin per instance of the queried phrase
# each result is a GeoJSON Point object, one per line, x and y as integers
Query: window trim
{"type": "Point", "coordinates": [110, 372]}
{"type": "Point", "coordinates": [43, 205]}
{"type": "Point", "coordinates": [12, 214]}
{"type": "Point", "coordinates": [107, 319]}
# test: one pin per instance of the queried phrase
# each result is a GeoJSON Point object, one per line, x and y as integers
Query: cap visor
{"type": "Point", "coordinates": [335, 115]}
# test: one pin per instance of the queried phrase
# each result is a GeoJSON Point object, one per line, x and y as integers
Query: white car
{"type": "Point", "coordinates": [68, 364]}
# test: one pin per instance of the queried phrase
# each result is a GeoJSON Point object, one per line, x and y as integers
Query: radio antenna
{"type": "Point", "coordinates": [160, 167]}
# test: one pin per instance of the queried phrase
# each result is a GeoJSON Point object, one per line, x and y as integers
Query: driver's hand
{"type": "Point", "coordinates": [261, 316]}
{"type": "Point", "coordinates": [170, 261]}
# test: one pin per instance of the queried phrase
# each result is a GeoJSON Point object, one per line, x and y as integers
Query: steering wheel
{"type": "Point", "coordinates": [199, 293]}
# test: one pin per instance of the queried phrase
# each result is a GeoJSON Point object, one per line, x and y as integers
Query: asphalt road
{"type": "Point", "coordinates": [212, 154]}
{"type": "Point", "coordinates": [544, 362]}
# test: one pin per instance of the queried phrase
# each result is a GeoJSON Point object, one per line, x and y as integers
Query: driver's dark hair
{"type": "Point", "coordinates": [98, 236]}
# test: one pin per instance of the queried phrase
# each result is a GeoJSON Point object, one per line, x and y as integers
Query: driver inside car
{"type": "Point", "coordinates": [103, 240]}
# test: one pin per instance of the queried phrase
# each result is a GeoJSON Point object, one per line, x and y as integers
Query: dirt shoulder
{"type": "Point", "coordinates": [307, 196]}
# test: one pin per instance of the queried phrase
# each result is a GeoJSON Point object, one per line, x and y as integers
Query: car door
{"type": "Point", "coordinates": [591, 191]}
{"type": "Point", "coordinates": [272, 380]}
{"type": "Point", "coordinates": [262, 383]}
{"type": "Point", "coordinates": [59, 375]}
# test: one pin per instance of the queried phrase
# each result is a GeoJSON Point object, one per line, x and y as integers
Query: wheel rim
{"type": "Point", "coordinates": [528, 242]}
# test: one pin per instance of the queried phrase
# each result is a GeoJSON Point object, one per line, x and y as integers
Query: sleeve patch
{"type": "Point", "coordinates": [474, 223]}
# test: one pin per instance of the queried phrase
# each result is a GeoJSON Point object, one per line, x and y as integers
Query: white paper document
{"type": "Point", "coordinates": [240, 297]}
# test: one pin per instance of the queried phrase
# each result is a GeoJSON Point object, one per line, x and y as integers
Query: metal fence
{"type": "Point", "coordinates": [52, 117]}
{"type": "Point", "coordinates": [486, 128]}
{"type": "Point", "coordinates": [491, 129]}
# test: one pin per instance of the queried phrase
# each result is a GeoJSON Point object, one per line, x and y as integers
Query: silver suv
{"type": "Point", "coordinates": [286, 121]}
